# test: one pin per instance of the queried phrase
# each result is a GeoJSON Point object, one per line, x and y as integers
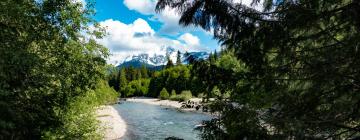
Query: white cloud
{"type": "Point", "coordinates": [146, 7]}
{"type": "Point", "coordinates": [169, 17]}
{"type": "Point", "coordinates": [190, 39]}
{"type": "Point", "coordinates": [138, 37]}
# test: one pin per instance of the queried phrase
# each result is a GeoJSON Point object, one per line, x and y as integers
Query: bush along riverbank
{"type": "Point", "coordinates": [52, 70]}
{"type": "Point", "coordinates": [81, 118]}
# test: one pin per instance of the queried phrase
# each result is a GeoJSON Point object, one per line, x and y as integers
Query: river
{"type": "Point", "coordinates": [153, 122]}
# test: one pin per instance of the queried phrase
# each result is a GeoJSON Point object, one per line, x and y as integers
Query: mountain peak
{"type": "Point", "coordinates": [158, 60]}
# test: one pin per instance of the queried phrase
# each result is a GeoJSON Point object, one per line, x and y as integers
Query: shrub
{"type": "Point", "coordinates": [184, 96]}
{"type": "Point", "coordinates": [173, 93]}
{"type": "Point", "coordinates": [164, 94]}
{"type": "Point", "coordinates": [105, 94]}
{"type": "Point", "coordinates": [174, 97]}
{"type": "Point", "coordinates": [79, 120]}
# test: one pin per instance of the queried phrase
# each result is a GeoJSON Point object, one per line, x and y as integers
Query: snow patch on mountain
{"type": "Point", "coordinates": [160, 59]}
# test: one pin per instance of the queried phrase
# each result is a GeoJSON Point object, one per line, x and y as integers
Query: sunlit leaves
{"type": "Point", "coordinates": [45, 63]}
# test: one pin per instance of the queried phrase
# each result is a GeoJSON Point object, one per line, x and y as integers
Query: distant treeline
{"type": "Point", "coordinates": [144, 82]}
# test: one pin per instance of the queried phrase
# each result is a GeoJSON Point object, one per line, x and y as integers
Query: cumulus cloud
{"type": "Point", "coordinates": [124, 40]}
{"type": "Point", "coordinates": [190, 39]}
{"type": "Point", "coordinates": [169, 17]}
{"type": "Point", "coordinates": [146, 7]}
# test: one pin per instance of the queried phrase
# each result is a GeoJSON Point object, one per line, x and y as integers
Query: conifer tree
{"type": "Point", "coordinates": [169, 63]}
{"type": "Point", "coordinates": [178, 58]}
{"type": "Point", "coordinates": [131, 73]}
{"type": "Point", "coordinates": [211, 58]}
{"type": "Point", "coordinates": [144, 71]}
{"type": "Point", "coordinates": [113, 80]}
{"type": "Point", "coordinates": [138, 74]}
{"type": "Point", "coordinates": [215, 55]}
{"type": "Point", "coordinates": [122, 81]}
{"type": "Point", "coordinates": [164, 94]}
{"type": "Point", "coordinates": [300, 68]}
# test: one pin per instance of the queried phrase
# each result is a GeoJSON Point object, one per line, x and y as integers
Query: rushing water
{"type": "Point", "coordinates": [156, 122]}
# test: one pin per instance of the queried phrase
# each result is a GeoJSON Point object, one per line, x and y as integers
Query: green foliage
{"type": "Point", "coordinates": [183, 96]}
{"type": "Point", "coordinates": [137, 88]}
{"type": "Point", "coordinates": [144, 72]}
{"type": "Point", "coordinates": [215, 92]}
{"type": "Point", "coordinates": [215, 55]}
{"type": "Point", "coordinates": [178, 78]}
{"type": "Point", "coordinates": [80, 119]}
{"type": "Point", "coordinates": [122, 82]}
{"type": "Point", "coordinates": [211, 58]}
{"type": "Point", "coordinates": [169, 63]}
{"type": "Point", "coordinates": [104, 94]}
{"type": "Point", "coordinates": [48, 69]}
{"type": "Point", "coordinates": [229, 61]}
{"type": "Point", "coordinates": [173, 93]}
{"type": "Point", "coordinates": [113, 80]}
{"type": "Point", "coordinates": [131, 74]}
{"type": "Point", "coordinates": [164, 94]}
{"type": "Point", "coordinates": [178, 60]}
{"type": "Point", "coordinates": [298, 71]}
{"type": "Point", "coordinates": [130, 81]}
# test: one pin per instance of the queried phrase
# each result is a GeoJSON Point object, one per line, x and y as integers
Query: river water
{"type": "Point", "coordinates": [152, 122]}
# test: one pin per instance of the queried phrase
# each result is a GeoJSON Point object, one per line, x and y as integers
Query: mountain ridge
{"type": "Point", "coordinates": [157, 61]}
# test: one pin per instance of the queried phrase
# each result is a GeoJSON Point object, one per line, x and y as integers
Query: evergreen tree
{"type": "Point", "coordinates": [164, 94]}
{"type": "Point", "coordinates": [113, 80]}
{"type": "Point", "coordinates": [131, 73]}
{"type": "Point", "coordinates": [211, 58]}
{"type": "Point", "coordinates": [178, 58]}
{"type": "Point", "coordinates": [173, 93]}
{"type": "Point", "coordinates": [169, 63]}
{"type": "Point", "coordinates": [215, 55]}
{"type": "Point", "coordinates": [144, 72]}
{"type": "Point", "coordinates": [122, 81]}
{"type": "Point", "coordinates": [138, 74]}
{"type": "Point", "coordinates": [187, 54]}
{"type": "Point", "coordinates": [301, 67]}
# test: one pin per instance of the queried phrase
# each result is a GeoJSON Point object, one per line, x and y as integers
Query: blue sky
{"type": "Point", "coordinates": [133, 27]}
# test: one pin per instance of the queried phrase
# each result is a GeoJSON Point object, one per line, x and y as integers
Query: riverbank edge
{"type": "Point", "coordinates": [165, 103]}
{"type": "Point", "coordinates": [112, 124]}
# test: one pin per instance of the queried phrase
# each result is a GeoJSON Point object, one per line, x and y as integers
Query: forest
{"type": "Point", "coordinates": [52, 75]}
{"type": "Point", "coordinates": [174, 78]}
{"type": "Point", "coordinates": [298, 74]}
{"type": "Point", "coordinates": [290, 70]}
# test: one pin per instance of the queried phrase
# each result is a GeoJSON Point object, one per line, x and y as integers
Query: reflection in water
{"type": "Point", "coordinates": [155, 122]}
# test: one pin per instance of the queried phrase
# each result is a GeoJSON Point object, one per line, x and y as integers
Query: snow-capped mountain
{"type": "Point", "coordinates": [159, 60]}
